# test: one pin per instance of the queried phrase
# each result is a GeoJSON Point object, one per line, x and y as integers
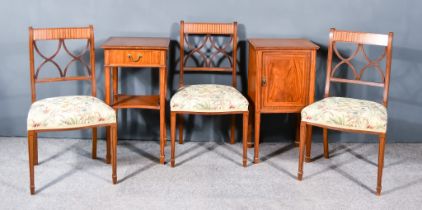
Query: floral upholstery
{"type": "Point", "coordinates": [208, 98]}
{"type": "Point", "coordinates": [347, 113]}
{"type": "Point", "coordinates": [69, 112]}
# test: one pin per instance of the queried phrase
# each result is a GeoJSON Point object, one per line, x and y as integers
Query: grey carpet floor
{"type": "Point", "coordinates": [208, 176]}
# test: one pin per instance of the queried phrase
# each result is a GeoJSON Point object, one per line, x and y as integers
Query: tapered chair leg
{"type": "Point", "coordinates": [308, 143]}
{"type": "Point", "coordinates": [380, 162]}
{"type": "Point", "coordinates": [325, 140]}
{"type": "Point", "coordinates": [245, 138]}
{"type": "Point", "coordinates": [94, 143]}
{"type": "Point", "coordinates": [108, 145]}
{"type": "Point", "coordinates": [232, 129]}
{"type": "Point", "coordinates": [35, 148]}
{"type": "Point", "coordinates": [113, 130]}
{"type": "Point", "coordinates": [181, 124]}
{"type": "Point", "coordinates": [301, 149]}
{"type": "Point", "coordinates": [31, 137]}
{"type": "Point", "coordinates": [173, 137]}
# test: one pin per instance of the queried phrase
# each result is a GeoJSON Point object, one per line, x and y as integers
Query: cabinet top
{"type": "Point", "coordinates": [284, 44]}
{"type": "Point", "coordinates": [152, 43]}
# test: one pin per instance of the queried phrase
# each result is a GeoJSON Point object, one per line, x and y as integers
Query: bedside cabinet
{"type": "Point", "coordinates": [281, 78]}
{"type": "Point", "coordinates": [137, 52]}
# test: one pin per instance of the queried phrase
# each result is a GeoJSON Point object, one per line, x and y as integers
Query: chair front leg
{"type": "Point", "coordinates": [31, 137]}
{"type": "Point", "coordinates": [35, 148]}
{"type": "Point", "coordinates": [245, 138]}
{"type": "Point", "coordinates": [301, 149]}
{"type": "Point", "coordinates": [308, 143]}
{"type": "Point", "coordinates": [232, 129]}
{"type": "Point", "coordinates": [108, 145]}
{"type": "Point", "coordinates": [181, 124]}
{"type": "Point", "coordinates": [325, 140]}
{"type": "Point", "coordinates": [380, 162]}
{"type": "Point", "coordinates": [173, 137]}
{"type": "Point", "coordinates": [113, 134]}
{"type": "Point", "coordinates": [94, 143]}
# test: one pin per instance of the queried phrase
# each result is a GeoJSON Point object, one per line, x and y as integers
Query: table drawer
{"type": "Point", "coordinates": [136, 57]}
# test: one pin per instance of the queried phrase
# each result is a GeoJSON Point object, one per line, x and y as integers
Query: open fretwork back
{"type": "Point", "coordinates": [360, 39]}
{"type": "Point", "coordinates": [61, 35]}
{"type": "Point", "coordinates": [208, 32]}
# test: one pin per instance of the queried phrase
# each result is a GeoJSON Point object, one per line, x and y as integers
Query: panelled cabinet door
{"type": "Point", "coordinates": [284, 79]}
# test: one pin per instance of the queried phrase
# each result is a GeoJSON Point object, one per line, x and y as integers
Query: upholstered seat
{"type": "Point", "coordinates": [347, 113]}
{"type": "Point", "coordinates": [208, 98]}
{"type": "Point", "coordinates": [69, 112]}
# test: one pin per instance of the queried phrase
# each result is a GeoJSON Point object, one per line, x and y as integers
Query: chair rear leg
{"type": "Point", "coordinates": [94, 143]}
{"type": "Point", "coordinates": [380, 162]}
{"type": "Point", "coordinates": [31, 144]}
{"type": "Point", "coordinates": [35, 148]}
{"type": "Point", "coordinates": [173, 137]}
{"type": "Point", "coordinates": [232, 129]}
{"type": "Point", "coordinates": [301, 149]}
{"type": "Point", "coordinates": [245, 138]}
{"type": "Point", "coordinates": [325, 140]}
{"type": "Point", "coordinates": [181, 124]}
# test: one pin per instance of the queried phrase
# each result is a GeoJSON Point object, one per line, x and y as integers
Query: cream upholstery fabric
{"type": "Point", "coordinates": [69, 112]}
{"type": "Point", "coordinates": [208, 98]}
{"type": "Point", "coordinates": [347, 113]}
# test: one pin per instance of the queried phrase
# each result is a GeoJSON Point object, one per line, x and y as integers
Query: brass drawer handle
{"type": "Point", "coordinates": [134, 60]}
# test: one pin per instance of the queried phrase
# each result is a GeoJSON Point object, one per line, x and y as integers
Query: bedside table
{"type": "Point", "coordinates": [137, 52]}
{"type": "Point", "coordinates": [281, 78]}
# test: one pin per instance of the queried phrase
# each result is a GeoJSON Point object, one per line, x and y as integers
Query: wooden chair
{"type": "Point", "coordinates": [348, 114]}
{"type": "Point", "coordinates": [208, 99]}
{"type": "Point", "coordinates": [67, 112]}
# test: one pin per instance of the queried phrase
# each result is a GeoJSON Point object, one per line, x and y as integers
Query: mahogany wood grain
{"type": "Point", "coordinates": [115, 83]}
{"type": "Point", "coordinates": [113, 134]}
{"type": "Point", "coordinates": [290, 67]}
{"type": "Point", "coordinates": [137, 101]}
{"type": "Point", "coordinates": [35, 148]}
{"type": "Point", "coordinates": [31, 161]}
{"type": "Point", "coordinates": [325, 142]}
{"type": "Point", "coordinates": [136, 57]}
{"type": "Point", "coordinates": [94, 143]}
{"type": "Point", "coordinates": [301, 150]}
{"type": "Point", "coordinates": [181, 123]}
{"type": "Point", "coordinates": [360, 39]}
{"type": "Point", "coordinates": [281, 78]}
{"type": "Point", "coordinates": [135, 43]}
{"type": "Point", "coordinates": [245, 138]}
{"type": "Point", "coordinates": [308, 143]}
{"type": "Point", "coordinates": [61, 35]}
{"type": "Point", "coordinates": [282, 44]}
{"type": "Point", "coordinates": [173, 138]}
{"type": "Point", "coordinates": [381, 151]}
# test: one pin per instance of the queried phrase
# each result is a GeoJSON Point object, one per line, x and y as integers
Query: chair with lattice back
{"type": "Point", "coordinates": [215, 52]}
{"type": "Point", "coordinates": [66, 112]}
{"type": "Point", "coordinates": [349, 114]}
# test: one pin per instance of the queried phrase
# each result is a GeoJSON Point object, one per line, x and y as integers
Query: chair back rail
{"type": "Point", "coordinates": [360, 39]}
{"type": "Point", "coordinates": [61, 35]}
{"type": "Point", "coordinates": [208, 31]}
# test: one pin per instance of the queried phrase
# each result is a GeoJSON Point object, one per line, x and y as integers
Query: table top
{"type": "Point", "coordinates": [150, 43]}
{"type": "Point", "coordinates": [280, 43]}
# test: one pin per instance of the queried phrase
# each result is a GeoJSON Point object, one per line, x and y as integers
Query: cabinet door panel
{"type": "Point", "coordinates": [285, 78]}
